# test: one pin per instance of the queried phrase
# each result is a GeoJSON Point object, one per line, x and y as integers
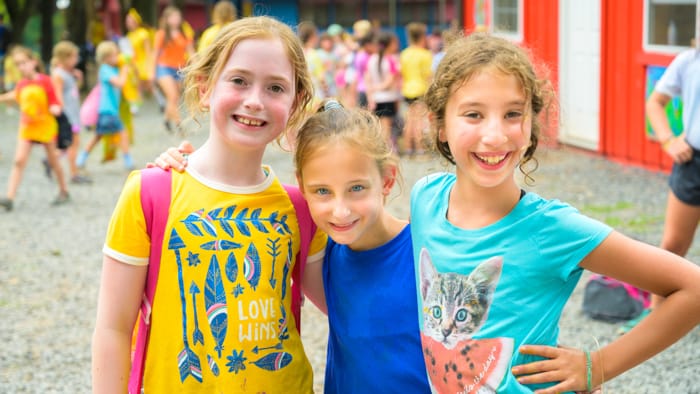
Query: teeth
{"type": "Point", "coordinates": [250, 122]}
{"type": "Point", "coordinates": [491, 160]}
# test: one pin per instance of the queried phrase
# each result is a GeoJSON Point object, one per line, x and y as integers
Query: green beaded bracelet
{"type": "Point", "coordinates": [589, 371]}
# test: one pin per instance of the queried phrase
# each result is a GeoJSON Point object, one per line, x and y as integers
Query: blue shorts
{"type": "Point", "coordinates": [163, 71]}
{"type": "Point", "coordinates": [108, 124]}
{"type": "Point", "coordinates": [685, 180]}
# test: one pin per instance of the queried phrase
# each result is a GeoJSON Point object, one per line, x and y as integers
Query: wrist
{"type": "Point", "coordinates": [665, 143]}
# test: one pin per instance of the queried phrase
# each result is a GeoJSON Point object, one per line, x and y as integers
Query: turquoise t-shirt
{"type": "Point", "coordinates": [472, 328]}
{"type": "Point", "coordinates": [110, 95]}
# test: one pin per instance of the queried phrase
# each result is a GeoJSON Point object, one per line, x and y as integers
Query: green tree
{"type": "Point", "coordinates": [19, 12]}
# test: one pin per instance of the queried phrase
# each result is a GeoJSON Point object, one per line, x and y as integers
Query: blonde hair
{"type": "Point", "coordinates": [204, 67]}
{"type": "Point", "coordinates": [62, 51]}
{"type": "Point", "coordinates": [467, 56]}
{"type": "Point", "coordinates": [223, 13]}
{"type": "Point", "coordinates": [31, 55]}
{"type": "Point", "coordinates": [355, 127]}
{"type": "Point", "coordinates": [104, 49]}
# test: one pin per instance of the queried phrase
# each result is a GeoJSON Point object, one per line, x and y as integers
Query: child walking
{"type": "Point", "coordinates": [67, 80]}
{"type": "Point", "coordinates": [222, 316]}
{"type": "Point", "coordinates": [495, 264]}
{"type": "Point", "coordinates": [416, 62]}
{"type": "Point", "coordinates": [111, 79]}
{"type": "Point", "coordinates": [38, 106]}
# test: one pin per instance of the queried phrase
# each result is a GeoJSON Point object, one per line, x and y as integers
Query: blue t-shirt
{"type": "Point", "coordinates": [373, 340]}
{"type": "Point", "coordinates": [541, 243]}
{"type": "Point", "coordinates": [682, 78]}
{"type": "Point", "coordinates": [110, 95]}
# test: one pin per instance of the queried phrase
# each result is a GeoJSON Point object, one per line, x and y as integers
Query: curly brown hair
{"type": "Point", "coordinates": [467, 56]}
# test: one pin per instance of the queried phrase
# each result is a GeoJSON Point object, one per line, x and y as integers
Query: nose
{"type": "Point", "coordinates": [493, 134]}
{"type": "Point", "coordinates": [340, 209]}
{"type": "Point", "coordinates": [253, 100]}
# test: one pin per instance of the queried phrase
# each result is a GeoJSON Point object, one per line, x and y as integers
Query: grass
{"type": "Point", "coordinates": [623, 216]}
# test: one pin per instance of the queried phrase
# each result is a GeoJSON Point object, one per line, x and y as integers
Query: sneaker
{"type": "Point", "coordinates": [61, 199]}
{"type": "Point", "coordinates": [80, 180]}
{"type": "Point", "coordinates": [630, 324]}
{"type": "Point", "coordinates": [6, 203]}
{"type": "Point", "coordinates": [47, 167]}
{"type": "Point", "coordinates": [81, 159]}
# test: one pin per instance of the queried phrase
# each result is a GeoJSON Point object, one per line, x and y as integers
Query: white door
{"type": "Point", "coordinates": [579, 72]}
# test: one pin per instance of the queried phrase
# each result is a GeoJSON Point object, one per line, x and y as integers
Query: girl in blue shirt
{"type": "Point", "coordinates": [495, 265]}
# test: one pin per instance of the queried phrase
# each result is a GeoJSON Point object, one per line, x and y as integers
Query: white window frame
{"type": "Point", "coordinates": [517, 36]}
{"type": "Point", "coordinates": [666, 49]}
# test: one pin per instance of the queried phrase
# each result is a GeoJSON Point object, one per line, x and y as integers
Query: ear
{"type": "Point", "coordinates": [203, 93]}
{"type": "Point", "coordinates": [389, 179]}
{"type": "Point", "coordinates": [426, 272]}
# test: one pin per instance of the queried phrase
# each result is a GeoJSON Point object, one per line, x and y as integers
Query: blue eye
{"type": "Point", "coordinates": [322, 191]}
{"type": "Point", "coordinates": [357, 188]}
{"type": "Point", "coordinates": [436, 312]}
{"type": "Point", "coordinates": [461, 315]}
{"type": "Point", "coordinates": [238, 81]}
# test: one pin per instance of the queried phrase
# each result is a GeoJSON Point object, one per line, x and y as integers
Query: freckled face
{"type": "Point", "coordinates": [345, 191]}
{"type": "Point", "coordinates": [488, 128]}
{"type": "Point", "coordinates": [252, 98]}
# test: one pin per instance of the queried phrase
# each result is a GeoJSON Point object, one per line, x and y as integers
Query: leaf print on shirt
{"type": "Point", "coordinates": [215, 302]}
{"type": "Point", "coordinates": [251, 266]}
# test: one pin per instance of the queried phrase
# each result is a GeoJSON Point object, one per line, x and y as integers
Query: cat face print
{"type": "Point", "coordinates": [455, 306]}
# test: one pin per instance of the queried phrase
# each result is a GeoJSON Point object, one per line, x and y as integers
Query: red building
{"type": "Point", "coordinates": [604, 57]}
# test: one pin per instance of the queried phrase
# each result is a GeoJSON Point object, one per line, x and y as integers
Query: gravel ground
{"type": "Point", "coordinates": [50, 260]}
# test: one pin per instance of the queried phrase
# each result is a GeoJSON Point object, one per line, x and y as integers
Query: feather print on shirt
{"type": "Point", "coordinates": [215, 302]}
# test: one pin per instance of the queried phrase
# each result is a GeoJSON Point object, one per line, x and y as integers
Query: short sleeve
{"type": "Point", "coordinates": [127, 239]}
{"type": "Point", "coordinates": [318, 246]}
{"type": "Point", "coordinates": [671, 82]}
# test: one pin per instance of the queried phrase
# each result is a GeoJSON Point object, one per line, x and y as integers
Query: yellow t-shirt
{"type": "Point", "coordinates": [416, 66]}
{"type": "Point", "coordinates": [141, 41]}
{"type": "Point", "coordinates": [207, 37]}
{"type": "Point", "coordinates": [227, 257]}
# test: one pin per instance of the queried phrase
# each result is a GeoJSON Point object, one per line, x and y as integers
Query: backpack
{"type": "Point", "coordinates": [610, 300]}
{"type": "Point", "coordinates": [155, 202]}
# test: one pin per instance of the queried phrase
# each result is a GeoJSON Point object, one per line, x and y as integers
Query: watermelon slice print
{"type": "Point", "coordinates": [473, 366]}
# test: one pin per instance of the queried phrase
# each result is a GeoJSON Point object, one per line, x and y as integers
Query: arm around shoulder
{"type": "Point", "coordinates": [312, 283]}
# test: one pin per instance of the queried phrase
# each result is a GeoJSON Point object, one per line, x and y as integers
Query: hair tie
{"type": "Point", "coordinates": [332, 104]}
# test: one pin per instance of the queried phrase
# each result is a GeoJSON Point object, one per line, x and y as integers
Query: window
{"type": "Point", "coordinates": [507, 19]}
{"type": "Point", "coordinates": [669, 25]}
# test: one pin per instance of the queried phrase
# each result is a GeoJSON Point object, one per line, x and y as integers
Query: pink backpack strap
{"type": "Point", "coordinates": [307, 228]}
{"type": "Point", "coordinates": [155, 202]}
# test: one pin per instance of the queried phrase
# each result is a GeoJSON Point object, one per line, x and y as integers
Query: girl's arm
{"type": "Point", "coordinates": [121, 291]}
{"type": "Point", "coordinates": [8, 97]}
{"type": "Point", "coordinates": [312, 283]}
{"type": "Point", "coordinates": [677, 148]}
{"type": "Point", "coordinates": [57, 87]}
{"type": "Point", "coordinates": [120, 80]}
{"type": "Point", "coordinates": [647, 267]}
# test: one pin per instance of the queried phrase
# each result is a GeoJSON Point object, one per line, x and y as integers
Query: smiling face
{"type": "Point", "coordinates": [251, 100]}
{"type": "Point", "coordinates": [487, 127]}
{"type": "Point", "coordinates": [345, 191]}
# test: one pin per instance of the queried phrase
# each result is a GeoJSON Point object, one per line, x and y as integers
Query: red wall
{"type": "Point", "coordinates": [622, 86]}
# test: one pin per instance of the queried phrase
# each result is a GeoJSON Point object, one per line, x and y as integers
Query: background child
{"type": "Point", "coordinates": [222, 318]}
{"type": "Point", "coordinates": [111, 80]}
{"type": "Point", "coordinates": [224, 12]}
{"type": "Point", "coordinates": [383, 82]}
{"type": "Point", "coordinates": [141, 39]}
{"type": "Point", "coordinates": [38, 105]}
{"type": "Point", "coordinates": [173, 45]}
{"type": "Point", "coordinates": [496, 265]}
{"type": "Point", "coordinates": [67, 80]}
{"type": "Point", "coordinates": [416, 62]}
